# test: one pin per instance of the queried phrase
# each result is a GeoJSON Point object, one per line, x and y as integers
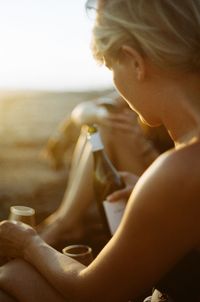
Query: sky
{"type": "Point", "coordinates": [45, 45]}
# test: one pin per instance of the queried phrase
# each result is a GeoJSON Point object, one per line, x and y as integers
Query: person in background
{"type": "Point", "coordinates": [110, 113]}
{"type": "Point", "coordinates": [152, 49]}
{"type": "Point", "coordinates": [126, 146]}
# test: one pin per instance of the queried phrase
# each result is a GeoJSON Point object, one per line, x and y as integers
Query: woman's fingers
{"type": "Point", "coordinates": [129, 179]}
{"type": "Point", "coordinates": [14, 237]}
{"type": "Point", "coordinates": [120, 194]}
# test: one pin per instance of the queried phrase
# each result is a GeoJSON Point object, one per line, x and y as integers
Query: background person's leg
{"type": "Point", "coordinates": [77, 198]}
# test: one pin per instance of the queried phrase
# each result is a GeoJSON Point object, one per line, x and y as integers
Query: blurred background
{"type": "Point", "coordinates": [45, 45]}
{"type": "Point", "coordinates": [46, 68]}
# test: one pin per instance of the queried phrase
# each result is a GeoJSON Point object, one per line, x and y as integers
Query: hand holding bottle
{"type": "Point", "coordinates": [130, 181]}
{"type": "Point", "coordinates": [106, 180]}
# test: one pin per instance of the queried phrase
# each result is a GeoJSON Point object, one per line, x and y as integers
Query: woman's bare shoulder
{"type": "Point", "coordinates": [166, 195]}
{"type": "Point", "coordinates": [176, 173]}
{"type": "Point", "coordinates": [181, 164]}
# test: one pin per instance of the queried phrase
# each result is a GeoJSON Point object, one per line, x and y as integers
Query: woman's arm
{"type": "Point", "coordinates": [160, 225]}
{"type": "Point", "coordinates": [19, 240]}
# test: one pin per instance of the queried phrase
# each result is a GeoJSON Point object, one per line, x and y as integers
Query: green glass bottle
{"type": "Point", "coordinates": [106, 181]}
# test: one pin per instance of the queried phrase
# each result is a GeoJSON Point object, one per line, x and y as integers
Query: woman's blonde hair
{"type": "Point", "coordinates": [166, 31]}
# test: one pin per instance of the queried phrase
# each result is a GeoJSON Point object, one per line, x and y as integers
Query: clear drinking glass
{"type": "Point", "coordinates": [80, 252]}
{"type": "Point", "coordinates": [23, 214]}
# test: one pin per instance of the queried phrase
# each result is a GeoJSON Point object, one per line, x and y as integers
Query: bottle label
{"type": "Point", "coordinates": [96, 142]}
{"type": "Point", "coordinates": [114, 212]}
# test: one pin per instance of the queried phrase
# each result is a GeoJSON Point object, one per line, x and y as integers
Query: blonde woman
{"type": "Point", "coordinates": [152, 48]}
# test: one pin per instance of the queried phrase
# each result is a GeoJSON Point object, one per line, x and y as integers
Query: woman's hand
{"type": "Point", "coordinates": [14, 238]}
{"type": "Point", "coordinates": [130, 181]}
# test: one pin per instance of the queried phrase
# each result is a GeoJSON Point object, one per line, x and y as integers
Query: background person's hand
{"type": "Point", "coordinates": [15, 238]}
{"type": "Point", "coordinates": [88, 113]}
{"type": "Point", "coordinates": [124, 120]}
{"type": "Point", "coordinates": [130, 181]}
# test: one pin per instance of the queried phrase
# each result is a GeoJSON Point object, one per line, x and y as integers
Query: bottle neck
{"type": "Point", "coordinates": [96, 142]}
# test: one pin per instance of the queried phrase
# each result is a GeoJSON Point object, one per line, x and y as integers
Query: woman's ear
{"type": "Point", "coordinates": [134, 59]}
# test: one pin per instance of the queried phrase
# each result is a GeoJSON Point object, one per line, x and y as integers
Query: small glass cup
{"type": "Point", "coordinates": [23, 214]}
{"type": "Point", "coordinates": [80, 252]}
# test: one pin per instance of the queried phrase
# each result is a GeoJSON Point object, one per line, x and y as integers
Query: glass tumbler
{"type": "Point", "coordinates": [80, 252]}
{"type": "Point", "coordinates": [23, 214]}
